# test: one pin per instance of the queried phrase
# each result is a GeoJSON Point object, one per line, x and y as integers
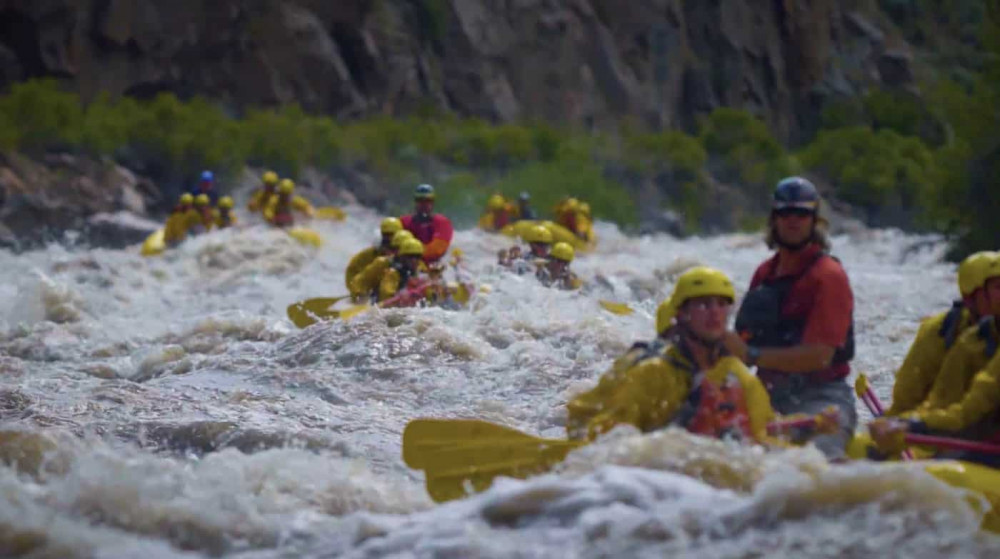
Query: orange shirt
{"type": "Point", "coordinates": [822, 297]}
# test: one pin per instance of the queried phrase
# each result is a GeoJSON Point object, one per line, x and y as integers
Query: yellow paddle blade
{"type": "Point", "coordinates": [461, 454]}
{"type": "Point", "coordinates": [305, 313]}
{"type": "Point", "coordinates": [330, 212]}
{"type": "Point", "coordinates": [154, 244]}
{"type": "Point", "coordinates": [306, 236]}
{"type": "Point", "coordinates": [861, 385]}
{"type": "Point", "coordinates": [350, 312]}
{"type": "Point", "coordinates": [616, 308]}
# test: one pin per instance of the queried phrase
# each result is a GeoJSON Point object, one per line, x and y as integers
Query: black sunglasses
{"type": "Point", "coordinates": [797, 212]}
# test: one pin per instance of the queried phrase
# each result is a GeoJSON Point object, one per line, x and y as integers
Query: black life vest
{"type": "Point", "coordinates": [760, 321]}
{"type": "Point", "coordinates": [951, 326]}
{"type": "Point", "coordinates": [405, 273]}
{"type": "Point", "coordinates": [988, 334]}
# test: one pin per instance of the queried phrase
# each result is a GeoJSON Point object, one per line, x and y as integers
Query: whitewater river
{"type": "Point", "coordinates": [166, 407]}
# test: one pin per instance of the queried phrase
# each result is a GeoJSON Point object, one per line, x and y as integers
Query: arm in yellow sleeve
{"type": "Point", "coordinates": [302, 206]}
{"type": "Point", "coordinates": [982, 398]}
{"type": "Point", "coordinates": [758, 405]}
{"type": "Point", "coordinates": [368, 280]}
{"type": "Point", "coordinates": [359, 262]}
{"type": "Point", "coordinates": [486, 221]}
{"type": "Point", "coordinates": [920, 369]}
{"type": "Point", "coordinates": [389, 285]}
{"type": "Point", "coordinates": [959, 366]}
{"type": "Point", "coordinates": [255, 201]}
{"type": "Point", "coordinates": [648, 397]}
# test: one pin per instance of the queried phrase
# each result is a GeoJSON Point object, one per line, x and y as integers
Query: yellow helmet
{"type": "Point", "coordinates": [399, 237]}
{"type": "Point", "coordinates": [411, 247]}
{"type": "Point", "coordinates": [563, 251]}
{"type": "Point", "coordinates": [202, 200]}
{"type": "Point", "coordinates": [226, 202]}
{"type": "Point", "coordinates": [585, 209]}
{"type": "Point", "coordinates": [390, 225]}
{"type": "Point", "coordinates": [700, 281]}
{"type": "Point", "coordinates": [538, 234]}
{"type": "Point", "coordinates": [975, 270]}
{"type": "Point", "coordinates": [187, 199]}
{"type": "Point", "coordinates": [269, 177]}
{"type": "Point", "coordinates": [286, 186]}
{"type": "Point", "coordinates": [571, 204]}
{"type": "Point", "coordinates": [496, 202]}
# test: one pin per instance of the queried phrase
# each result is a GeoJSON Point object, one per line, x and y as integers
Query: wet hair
{"type": "Point", "coordinates": [820, 234]}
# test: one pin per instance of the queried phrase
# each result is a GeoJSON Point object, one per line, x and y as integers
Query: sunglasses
{"type": "Point", "coordinates": [796, 212]}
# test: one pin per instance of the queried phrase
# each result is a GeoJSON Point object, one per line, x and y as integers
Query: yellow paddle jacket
{"type": "Point", "coordinates": [368, 280]}
{"type": "Point", "coordinates": [923, 362]}
{"type": "Point", "coordinates": [968, 357]}
{"type": "Point", "coordinates": [299, 204]}
{"type": "Point", "coordinates": [358, 262]}
{"type": "Point", "coordinates": [647, 387]}
{"type": "Point", "coordinates": [175, 229]}
{"type": "Point", "coordinates": [980, 402]}
{"type": "Point", "coordinates": [259, 200]}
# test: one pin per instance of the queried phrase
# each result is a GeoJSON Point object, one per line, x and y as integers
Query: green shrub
{"type": "Point", "coordinates": [746, 148]}
{"type": "Point", "coordinates": [872, 169]}
{"type": "Point", "coordinates": [670, 150]}
{"type": "Point", "coordinates": [550, 182]}
{"type": "Point", "coordinates": [41, 115]}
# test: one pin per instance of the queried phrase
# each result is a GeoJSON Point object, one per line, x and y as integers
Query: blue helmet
{"type": "Point", "coordinates": [424, 192]}
{"type": "Point", "coordinates": [795, 192]}
{"type": "Point", "coordinates": [207, 176]}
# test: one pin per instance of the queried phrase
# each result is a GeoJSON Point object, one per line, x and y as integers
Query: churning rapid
{"type": "Point", "coordinates": [166, 407]}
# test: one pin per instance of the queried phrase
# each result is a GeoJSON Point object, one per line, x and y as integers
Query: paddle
{"type": "Point", "coordinates": [616, 308]}
{"type": "Point", "coordinates": [953, 444]}
{"type": "Point", "coordinates": [457, 454]}
{"type": "Point", "coordinates": [871, 400]}
{"type": "Point", "coordinates": [305, 313]}
{"type": "Point", "coordinates": [330, 212]}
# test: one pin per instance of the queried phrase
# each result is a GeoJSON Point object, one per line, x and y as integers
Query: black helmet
{"type": "Point", "coordinates": [524, 197]}
{"type": "Point", "coordinates": [424, 192]}
{"type": "Point", "coordinates": [795, 192]}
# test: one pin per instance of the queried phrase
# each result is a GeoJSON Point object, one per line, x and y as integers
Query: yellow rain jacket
{"type": "Point", "coordinates": [192, 220]}
{"type": "Point", "coordinates": [368, 280]}
{"type": "Point", "coordinates": [980, 402]}
{"type": "Point", "coordinates": [935, 338]}
{"type": "Point", "coordinates": [972, 351]}
{"type": "Point", "coordinates": [648, 386]}
{"type": "Point", "coordinates": [299, 204]}
{"type": "Point", "coordinates": [223, 221]}
{"type": "Point", "coordinates": [360, 261]}
{"type": "Point", "coordinates": [260, 199]}
{"type": "Point", "coordinates": [175, 229]}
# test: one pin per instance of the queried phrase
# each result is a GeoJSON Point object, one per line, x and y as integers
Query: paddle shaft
{"type": "Point", "coordinates": [954, 444]}
{"type": "Point", "coordinates": [871, 399]}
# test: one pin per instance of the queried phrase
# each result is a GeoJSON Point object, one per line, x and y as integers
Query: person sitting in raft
{"type": "Point", "coordinates": [387, 229]}
{"type": "Point", "coordinates": [524, 210]}
{"type": "Point", "coordinates": [206, 213]}
{"type": "Point", "coordinates": [286, 202]}
{"type": "Point", "coordinates": [499, 213]}
{"type": "Point", "coordinates": [261, 198]}
{"type": "Point", "coordinates": [365, 284]}
{"type": "Point", "coordinates": [433, 230]}
{"type": "Point", "coordinates": [684, 377]}
{"type": "Point", "coordinates": [938, 335]}
{"type": "Point", "coordinates": [401, 285]}
{"type": "Point", "coordinates": [539, 240]}
{"type": "Point", "coordinates": [556, 272]}
{"type": "Point", "coordinates": [224, 216]}
{"type": "Point", "coordinates": [176, 229]}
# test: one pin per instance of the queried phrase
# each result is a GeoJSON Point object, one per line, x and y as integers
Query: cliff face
{"type": "Point", "coordinates": [583, 62]}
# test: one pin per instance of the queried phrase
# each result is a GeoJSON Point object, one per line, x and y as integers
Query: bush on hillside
{"type": "Point", "coordinates": [874, 169]}
{"type": "Point", "coordinates": [748, 153]}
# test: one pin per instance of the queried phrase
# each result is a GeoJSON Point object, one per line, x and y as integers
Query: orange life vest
{"type": "Point", "coordinates": [717, 410]}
